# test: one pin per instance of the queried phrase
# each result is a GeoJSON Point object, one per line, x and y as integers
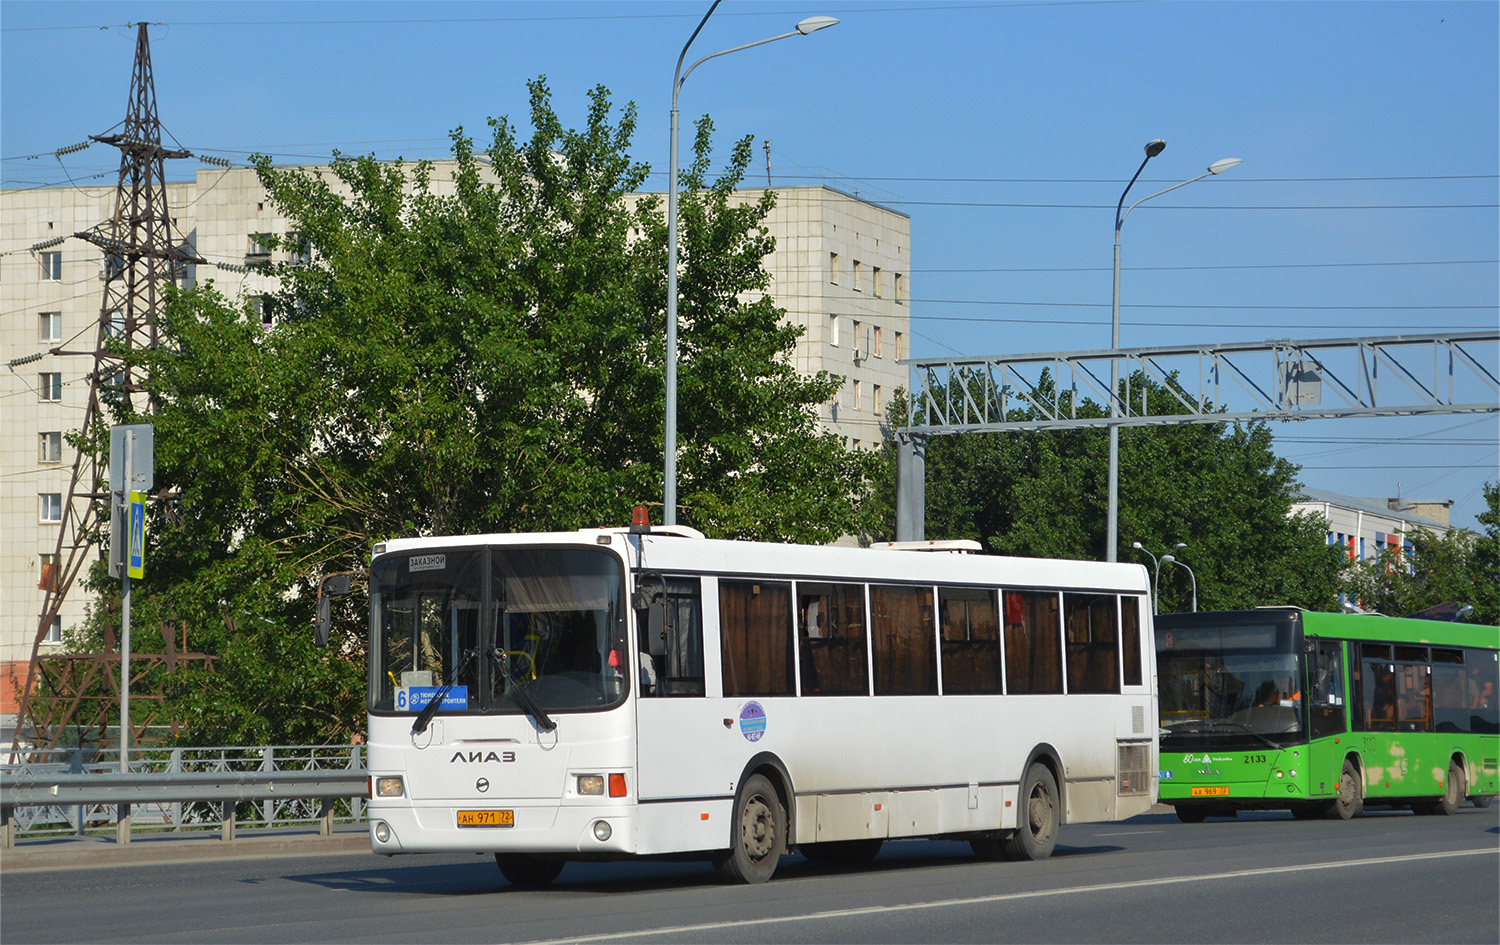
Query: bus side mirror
{"type": "Point", "coordinates": [335, 585]}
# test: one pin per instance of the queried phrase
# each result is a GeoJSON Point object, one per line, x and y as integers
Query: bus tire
{"type": "Point", "coordinates": [1482, 800]}
{"type": "Point", "coordinates": [1348, 804]}
{"type": "Point", "coordinates": [843, 851]}
{"type": "Point", "coordinates": [528, 869]}
{"type": "Point", "coordinates": [1454, 790]}
{"type": "Point", "coordinates": [1038, 819]}
{"type": "Point", "coordinates": [1191, 813]}
{"type": "Point", "coordinates": [758, 834]}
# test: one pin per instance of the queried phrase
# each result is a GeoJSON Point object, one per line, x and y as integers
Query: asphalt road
{"type": "Point", "coordinates": [1387, 877]}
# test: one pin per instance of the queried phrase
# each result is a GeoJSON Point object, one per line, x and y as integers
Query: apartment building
{"type": "Point", "coordinates": [841, 270]}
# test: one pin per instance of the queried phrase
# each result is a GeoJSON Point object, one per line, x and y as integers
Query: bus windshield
{"type": "Point", "coordinates": [1229, 686]}
{"type": "Point", "coordinates": [505, 630]}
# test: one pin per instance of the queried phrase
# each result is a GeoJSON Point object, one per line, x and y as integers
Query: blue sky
{"type": "Point", "coordinates": [1366, 204]}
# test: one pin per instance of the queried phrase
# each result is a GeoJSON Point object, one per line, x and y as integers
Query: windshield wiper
{"type": "Point", "coordinates": [517, 690]}
{"type": "Point", "coordinates": [1219, 724]}
{"type": "Point", "coordinates": [424, 718]}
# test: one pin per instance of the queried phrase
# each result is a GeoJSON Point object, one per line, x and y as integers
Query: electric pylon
{"type": "Point", "coordinates": [141, 257]}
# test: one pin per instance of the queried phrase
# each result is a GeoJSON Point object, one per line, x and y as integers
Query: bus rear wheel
{"type": "Point", "coordinates": [1039, 817]}
{"type": "Point", "coordinates": [528, 869]}
{"type": "Point", "coordinates": [1348, 804]}
{"type": "Point", "coordinates": [759, 834]}
{"type": "Point", "coordinates": [1454, 791]}
{"type": "Point", "coordinates": [1191, 814]}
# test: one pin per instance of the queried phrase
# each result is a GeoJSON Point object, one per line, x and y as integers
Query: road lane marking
{"type": "Point", "coordinates": [1003, 897]}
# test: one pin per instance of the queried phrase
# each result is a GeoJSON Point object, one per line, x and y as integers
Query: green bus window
{"type": "Point", "coordinates": [831, 639]}
{"type": "Point", "coordinates": [1450, 702]}
{"type": "Point", "coordinates": [1482, 685]}
{"type": "Point", "coordinates": [755, 624]}
{"type": "Point", "coordinates": [970, 631]}
{"type": "Point", "coordinates": [1414, 697]}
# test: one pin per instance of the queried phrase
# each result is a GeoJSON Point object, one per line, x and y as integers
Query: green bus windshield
{"type": "Point", "coordinates": [1230, 681]}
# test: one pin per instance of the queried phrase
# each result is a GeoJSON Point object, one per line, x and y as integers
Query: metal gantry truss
{"type": "Point", "coordinates": [1332, 378]}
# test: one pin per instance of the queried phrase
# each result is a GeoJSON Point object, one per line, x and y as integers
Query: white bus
{"type": "Point", "coordinates": [616, 693]}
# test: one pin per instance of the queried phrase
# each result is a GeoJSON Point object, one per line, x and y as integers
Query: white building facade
{"type": "Point", "coordinates": [840, 269]}
{"type": "Point", "coordinates": [1364, 528]}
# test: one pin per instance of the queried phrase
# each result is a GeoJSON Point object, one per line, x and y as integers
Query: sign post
{"type": "Point", "coordinates": [131, 462]}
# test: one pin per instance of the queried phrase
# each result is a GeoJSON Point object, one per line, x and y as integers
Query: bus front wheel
{"type": "Point", "coordinates": [1348, 804]}
{"type": "Point", "coordinates": [528, 869]}
{"type": "Point", "coordinates": [758, 837]}
{"type": "Point", "coordinates": [1039, 817]}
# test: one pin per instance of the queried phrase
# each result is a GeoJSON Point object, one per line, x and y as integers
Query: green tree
{"type": "Point", "coordinates": [1219, 488]}
{"type": "Point", "coordinates": [1459, 567]}
{"type": "Point", "coordinates": [467, 355]}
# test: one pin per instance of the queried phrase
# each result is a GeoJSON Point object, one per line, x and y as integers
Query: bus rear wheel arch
{"type": "Point", "coordinates": [1038, 817]}
{"type": "Point", "coordinates": [1455, 789]}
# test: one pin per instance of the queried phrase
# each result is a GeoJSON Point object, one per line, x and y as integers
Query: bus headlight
{"type": "Point", "coordinates": [591, 784]}
{"type": "Point", "coordinates": [601, 830]}
{"type": "Point", "coordinates": [382, 831]}
{"type": "Point", "coordinates": [389, 787]}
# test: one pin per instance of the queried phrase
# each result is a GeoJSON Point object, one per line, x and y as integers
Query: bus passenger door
{"type": "Point", "coordinates": [1328, 714]}
{"type": "Point", "coordinates": [674, 717]}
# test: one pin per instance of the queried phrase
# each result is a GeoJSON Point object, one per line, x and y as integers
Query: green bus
{"type": "Point", "coordinates": [1323, 714]}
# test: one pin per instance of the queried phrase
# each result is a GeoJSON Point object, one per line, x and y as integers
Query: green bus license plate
{"type": "Point", "coordinates": [486, 818]}
{"type": "Point", "coordinates": [1202, 792]}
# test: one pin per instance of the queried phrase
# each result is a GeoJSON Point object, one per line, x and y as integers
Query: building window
{"type": "Point", "coordinates": [114, 265]}
{"type": "Point", "coordinates": [857, 287]}
{"type": "Point", "coordinates": [49, 327]}
{"type": "Point", "coordinates": [898, 346]}
{"type": "Point", "coordinates": [49, 448]}
{"type": "Point", "coordinates": [50, 388]}
{"type": "Point", "coordinates": [876, 348]}
{"type": "Point", "coordinates": [857, 384]}
{"type": "Point", "coordinates": [855, 340]}
{"type": "Point", "coordinates": [54, 633]}
{"type": "Point", "coordinates": [875, 398]}
{"type": "Point", "coordinates": [46, 579]}
{"type": "Point", "coordinates": [875, 281]}
{"type": "Point", "coordinates": [896, 288]}
{"type": "Point", "coordinates": [833, 268]}
{"type": "Point", "coordinates": [115, 327]}
{"type": "Point", "coordinates": [259, 249]}
{"type": "Point", "coordinates": [833, 330]}
{"type": "Point", "coordinates": [52, 267]}
{"type": "Point", "coordinates": [299, 249]}
{"type": "Point", "coordinates": [50, 507]}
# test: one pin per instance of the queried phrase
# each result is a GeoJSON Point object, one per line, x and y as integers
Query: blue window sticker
{"type": "Point", "coordinates": [416, 698]}
{"type": "Point", "coordinates": [752, 721]}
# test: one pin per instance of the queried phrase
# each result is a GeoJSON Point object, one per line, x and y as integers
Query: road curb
{"type": "Point", "coordinates": [90, 852]}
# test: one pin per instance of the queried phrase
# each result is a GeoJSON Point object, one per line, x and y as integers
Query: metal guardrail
{"type": "Point", "coordinates": [52, 793]}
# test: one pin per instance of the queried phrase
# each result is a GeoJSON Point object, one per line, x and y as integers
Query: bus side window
{"type": "Point", "coordinates": [672, 639]}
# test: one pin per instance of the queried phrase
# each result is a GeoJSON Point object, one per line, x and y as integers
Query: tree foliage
{"type": "Point", "coordinates": [1459, 567]}
{"type": "Point", "coordinates": [480, 354]}
{"type": "Point", "coordinates": [1219, 488]}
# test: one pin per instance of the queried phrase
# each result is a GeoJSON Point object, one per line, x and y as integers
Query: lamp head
{"type": "Point", "coordinates": [1136, 545]}
{"type": "Point", "coordinates": [1219, 167]}
{"type": "Point", "coordinates": [814, 23]}
{"type": "Point", "coordinates": [1168, 559]}
{"type": "Point", "coordinates": [1154, 147]}
{"type": "Point", "coordinates": [1179, 546]}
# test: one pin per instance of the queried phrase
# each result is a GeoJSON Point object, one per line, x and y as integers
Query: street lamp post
{"type": "Point", "coordinates": [1169, 559]}
{"type": "Point", "coordinates": [669, 451]}
{"type": "Point", "coordinates": [1155, 571]}
{"type": "Point", "coordinates": [1153, 148]}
